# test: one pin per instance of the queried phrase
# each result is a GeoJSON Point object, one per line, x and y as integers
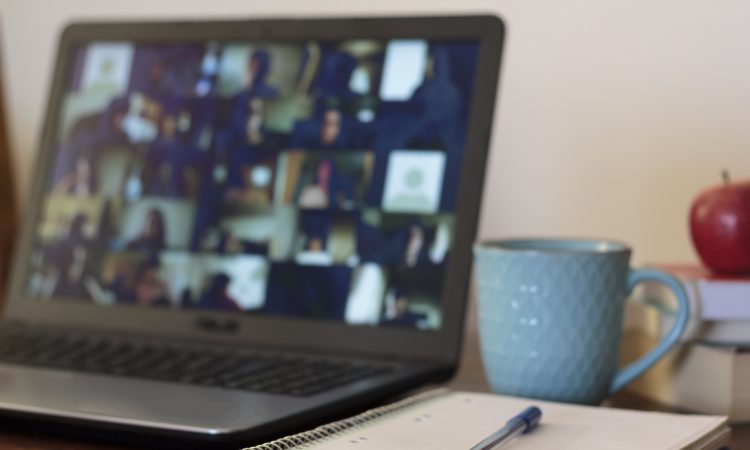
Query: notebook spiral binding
{"type": "Point", "coordinates": [330, 429]}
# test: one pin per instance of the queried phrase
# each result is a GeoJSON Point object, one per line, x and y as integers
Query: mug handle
{"type": "Point", "coordinates": [635, 369]}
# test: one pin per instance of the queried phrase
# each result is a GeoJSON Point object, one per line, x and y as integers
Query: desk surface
{"type": "Point", "coordinates": [469, 377]}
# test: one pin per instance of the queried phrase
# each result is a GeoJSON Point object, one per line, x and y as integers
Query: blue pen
{"type": "Point", "coordinates": [522, 423]}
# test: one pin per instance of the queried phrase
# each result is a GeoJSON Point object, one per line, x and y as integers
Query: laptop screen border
{"type": "Point", "coordinates": [271, 331]}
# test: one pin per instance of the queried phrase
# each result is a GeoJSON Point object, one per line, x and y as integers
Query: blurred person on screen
{"type": "Point", "coordinates": [217, 295]}
{"type": "Point", "coordinates": [153, 235]}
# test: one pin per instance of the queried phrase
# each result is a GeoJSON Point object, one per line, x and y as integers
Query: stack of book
{"type": "Point", "coordinates": [709, 372]}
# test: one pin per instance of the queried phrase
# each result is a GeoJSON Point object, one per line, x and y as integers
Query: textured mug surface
{"type": "Point", "coordinates": [550, 317]}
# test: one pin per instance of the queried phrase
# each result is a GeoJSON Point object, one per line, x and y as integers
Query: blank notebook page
{"type": "Point", "coordinates": [459, 420]}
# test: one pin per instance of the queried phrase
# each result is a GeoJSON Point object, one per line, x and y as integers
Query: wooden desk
{"type": "Point", "coordinates": [470, 377]}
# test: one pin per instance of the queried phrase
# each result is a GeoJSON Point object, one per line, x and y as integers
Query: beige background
{"type": "Point", "coordinates": [612, 114]}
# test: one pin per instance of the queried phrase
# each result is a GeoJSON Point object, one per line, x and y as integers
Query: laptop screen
{"type": "Point", "coordinates": [311, 180]}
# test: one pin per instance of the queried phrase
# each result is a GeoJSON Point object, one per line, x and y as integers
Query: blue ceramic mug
{"type": "Point", "coordinates": [551, 313]}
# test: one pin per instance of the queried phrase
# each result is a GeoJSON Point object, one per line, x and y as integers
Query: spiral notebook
{"type": "Point", "coordinates": [444, 419]}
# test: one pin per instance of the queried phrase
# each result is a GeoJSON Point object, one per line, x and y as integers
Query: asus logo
{"type": "Point", "coordinates": [215, 325]}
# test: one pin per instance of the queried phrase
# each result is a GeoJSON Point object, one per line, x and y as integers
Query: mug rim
{"type": "Point", "coordinates": [598, 246]}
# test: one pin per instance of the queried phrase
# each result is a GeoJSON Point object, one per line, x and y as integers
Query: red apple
{"type": "Point", "coordinates": [720, 226]}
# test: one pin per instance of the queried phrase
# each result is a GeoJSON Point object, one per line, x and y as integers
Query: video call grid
{"type": "Point", "coordinates": [314, 180]}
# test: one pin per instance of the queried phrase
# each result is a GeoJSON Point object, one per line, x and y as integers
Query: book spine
{"type": "Point", "coordinates": [711, 298]}
{"type": "Point", "coordinates": [653, 319]}
{"type": "Point", "coordinates": [324, 431]}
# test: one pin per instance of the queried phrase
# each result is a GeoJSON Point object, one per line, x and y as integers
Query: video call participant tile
{"type": "Point", "coordinates": [326, 238]}
{"type": "Point", "coordinates": [308, 291]}
{"type": "Point", "coordinates": [155, 224]}
{"type": "Point", "coordinates": [414, 181]}
{"type": "Point", "coordinates": [323, 180]}
{"type": "Point", "coordinates": [72, 218]}
{"type": "Point", "coordinates": [243, 229]}
{"type": "Point", "coordinates": [227, 283]}
{"type": "Point", "coordinates": [413, 298]}
{"type": "Point", "coordinates": [404, 240]}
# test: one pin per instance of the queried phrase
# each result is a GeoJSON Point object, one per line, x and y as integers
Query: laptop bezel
{"type": "Point", "coordinates": [273, 331]}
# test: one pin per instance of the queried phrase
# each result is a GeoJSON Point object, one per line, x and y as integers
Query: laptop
{"type": "Point", "coordinates": [241, 228]}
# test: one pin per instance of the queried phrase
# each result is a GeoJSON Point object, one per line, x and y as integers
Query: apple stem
{"type": "Point", "coordinates": [725, 176]}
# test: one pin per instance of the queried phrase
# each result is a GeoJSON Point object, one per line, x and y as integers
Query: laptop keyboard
{"type": "Point", "coordinates": [273, 373]}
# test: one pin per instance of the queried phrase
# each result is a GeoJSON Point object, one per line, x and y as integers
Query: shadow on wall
{"type": "Point", "coordinates": [7, 201]}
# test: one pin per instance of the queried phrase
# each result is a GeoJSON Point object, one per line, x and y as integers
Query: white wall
{"type": "Point", "coordinates": [612, 115]}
